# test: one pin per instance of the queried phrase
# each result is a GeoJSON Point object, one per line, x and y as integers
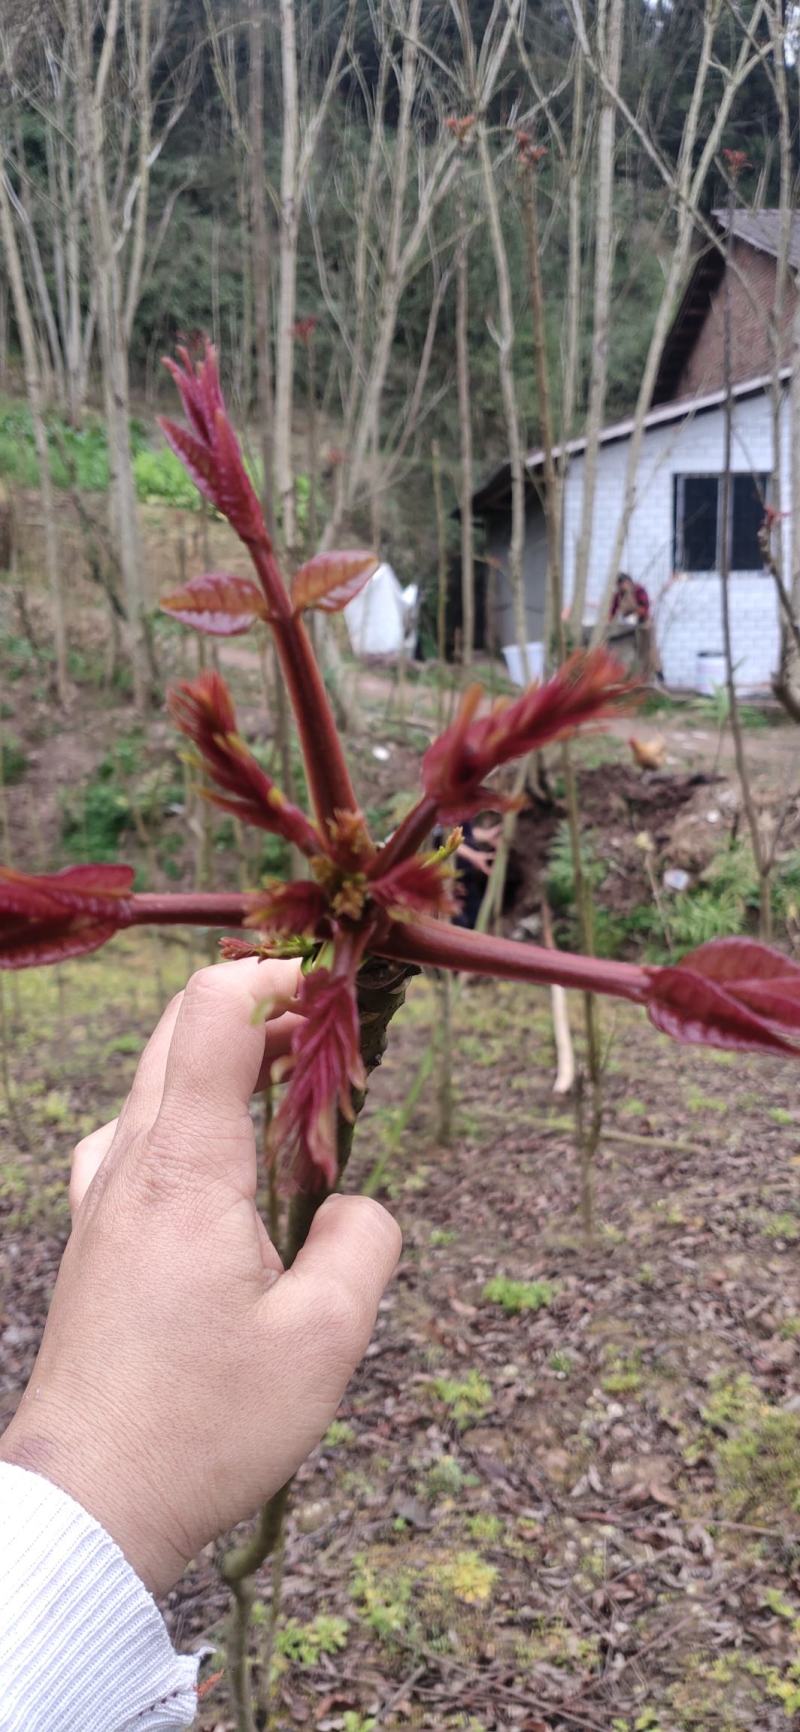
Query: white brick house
{"type": "Point", "coordinates": [673, 537]}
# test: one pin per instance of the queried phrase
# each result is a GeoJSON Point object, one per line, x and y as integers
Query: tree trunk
{"type": "Point", "coordinates": [465, 441]}
{"type": "Point", "coordinates": [287, 287]}
{"type": "Point", "coordinates": [111, 320]}
{"type": "Point", "coordinates": [27, 337]}
{"type": "Point", "coordinates": [609, 33]}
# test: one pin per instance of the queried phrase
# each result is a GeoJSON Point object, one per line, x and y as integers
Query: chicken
{"type": "Point", "coordinates": [648, 754]}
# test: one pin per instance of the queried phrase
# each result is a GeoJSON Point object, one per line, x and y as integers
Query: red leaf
{"type": "Point", "coordinates": [757, 975]}
{"type": "Point", "coordinates": [197, 459]}
{"type": "Point", "coordinates": [323, 1067]}
{"type": "Point", "coordinates": [329, 581]}
{"type": "Point", "coordinates": [694, 1008]}
{"type": "Point", "coordinates": [203, 710]}
{"type": "Point", "coordinates": [60, 914]}
{"type": "Point", "coordinates": [294, 908]}
{"type": "Point", "coordinates": [586, 690]}
{"type": "Point", "coordinates": [235, 492]}
{"type": "Point", "coordinates": [415, 886]}
{"type": "Point", "coordinates": [218, 603]}
{"type": "Point", "coordinates": [741, 959]}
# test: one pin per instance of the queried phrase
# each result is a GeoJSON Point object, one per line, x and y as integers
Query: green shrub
{"type": "Point", "coordinates": [160, 476]}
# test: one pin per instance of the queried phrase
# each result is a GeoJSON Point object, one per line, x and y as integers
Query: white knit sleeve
{"type": "Point", "coordinates": [83, 1647]}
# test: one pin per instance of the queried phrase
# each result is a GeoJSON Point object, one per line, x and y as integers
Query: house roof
{"type": "Point", "coordinates": [758, 229]}
{"type": "Point", "coordinates": [493, 491]}
{"type": "Point", "coordinates": [762, 229]}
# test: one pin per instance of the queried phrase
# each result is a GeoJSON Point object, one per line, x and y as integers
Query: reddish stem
{"type": "Point", "coordinates": [435, 944]}
{"type": "Point", "coordinates": [204, 908]}
{"type": "Point", "coordinates": [407, 838]}
{"type": "Point", "coordinates": [326, 767]}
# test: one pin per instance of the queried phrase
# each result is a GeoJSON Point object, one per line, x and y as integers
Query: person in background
{"type": "Point", "coordinates": [630, 600]}
{"type": "Point", "coordinates": [474, 862]}
{"type": "Point", "coordinates": [632, 613]}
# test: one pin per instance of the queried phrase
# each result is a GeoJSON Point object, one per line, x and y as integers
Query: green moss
{"type": "Point", "coordinates": [485, 1529]}
{"type": "Point", "coordinates": [468, 1398]}
{"type": "Point", "coordinates": [339, 1434]}
{"type": "Point", "coordinates": [697, 1102]}
{"type": "Point", "coordinates": [303, 1644]}
{"type": "Point", "coordinates": [624, 1375]}
{"type": "Point", "coordinates": [382, 1599]}
{"type": "Point", "coordinates": [516, 1296]}
{"type": "Point", "coordinates": [782, 1226]}
{"type": "Point", "coordinates": [730, 1402]}
{"type": "Point", "coordinates": [445, 1478]}
{"type": "Point", "coordinates": [759, 1464]}
{"type": "Point", "coordinates": [467, 1576]}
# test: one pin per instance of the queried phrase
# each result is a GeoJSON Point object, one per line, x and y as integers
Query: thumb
{"type": "Point", "coordinates": [328, 1300]}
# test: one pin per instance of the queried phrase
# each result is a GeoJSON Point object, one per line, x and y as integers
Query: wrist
{"type": "Point", "coordinates": [99, 1478]}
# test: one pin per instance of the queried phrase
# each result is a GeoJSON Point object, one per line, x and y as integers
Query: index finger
{"type": "Point", "coordinates": [215, 1060]}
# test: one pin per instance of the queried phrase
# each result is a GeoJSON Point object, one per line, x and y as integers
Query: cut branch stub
{"type": "Point", "coordinates": [219, 603]}
{"type": "Point", "coordinates": [329, 581]}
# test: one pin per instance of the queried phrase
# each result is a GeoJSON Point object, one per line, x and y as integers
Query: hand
{"type": "Point", "coordinates": [183, 1375]}
{"type": "Point", "coordinates": [482, 862]}
{"type": "Point", "coordinates": [487, 833]}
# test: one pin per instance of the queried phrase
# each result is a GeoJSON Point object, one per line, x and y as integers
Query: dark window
{"type": "Point", "coordinates": [698, 529]}
{"type": "Point", "coordinates": [697, 498]}
{"type": "Point", "coordinates": [749, 494]}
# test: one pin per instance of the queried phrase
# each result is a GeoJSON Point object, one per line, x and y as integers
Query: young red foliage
{"type": "Point", "coordinates": [219, 603]}
{"type": "Point", "coordinates": [47, 918]}
{"type": "Point", "coordinates": [323, 1069]}
{"type": "Point", "coordinates": [329, 581]}
{"type": "Point", "coordinates": [203, 710]}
